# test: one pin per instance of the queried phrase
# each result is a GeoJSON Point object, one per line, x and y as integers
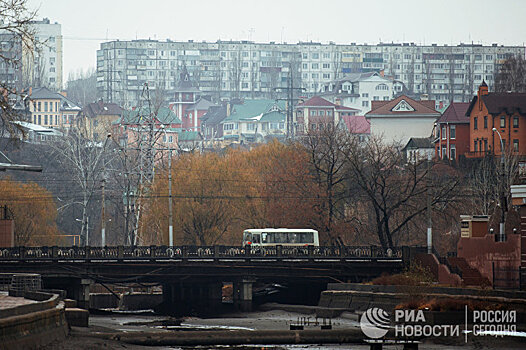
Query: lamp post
{"type": "Point", "coordinates": [503, 195]}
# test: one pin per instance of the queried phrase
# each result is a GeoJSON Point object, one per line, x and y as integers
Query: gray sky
{"type": "Point", "coordinates": [86, 23]}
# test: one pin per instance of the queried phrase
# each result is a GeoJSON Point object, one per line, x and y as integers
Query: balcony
{"type": "Point", "coordinates": [478, 154]}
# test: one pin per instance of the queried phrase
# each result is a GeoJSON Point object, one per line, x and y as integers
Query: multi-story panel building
{"type": "Point", "coordinates": [257, 70]}
{"type": "Point", "coordinates": [43, 65]}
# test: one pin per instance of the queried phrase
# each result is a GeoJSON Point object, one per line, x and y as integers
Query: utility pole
{"type": "Point", "coordinates": [429, 220]}
{"type": "Point", "coordinates": [290, 102]}
{"type": "Point", "coordinates": [103, 229]}
{"type": "Point", "coordinates": [503, 204]}
{"type": "Point", "coordinates": [170, 227]}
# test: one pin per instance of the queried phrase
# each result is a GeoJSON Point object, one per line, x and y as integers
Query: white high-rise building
{"type": "Point", "coordinates": [256, 70]}
{"type": "Point", "coordinates": [44, 67]}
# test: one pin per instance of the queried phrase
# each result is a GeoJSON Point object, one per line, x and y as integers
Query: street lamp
{"type": "Point", "coordinates": [502, 200]}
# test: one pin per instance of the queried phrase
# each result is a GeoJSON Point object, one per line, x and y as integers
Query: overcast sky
{"type": "Point", "coordinates": [87, 23]}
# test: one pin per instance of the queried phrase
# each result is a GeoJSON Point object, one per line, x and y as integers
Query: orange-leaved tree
{"type": "Point", "coordinates": [34, 213]}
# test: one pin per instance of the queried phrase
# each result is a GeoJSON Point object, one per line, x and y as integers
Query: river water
{"type": "Point", "coordinates": [268, 320]}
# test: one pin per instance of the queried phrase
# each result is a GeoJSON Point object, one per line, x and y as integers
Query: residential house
{"type": "Point", "coordinates": [98, 117]}
{"type": "Point", "coordinates": [34, 133]}
{"type": "Point", "coordinates": [187, 103]}
{"type": "Point", "coordinates": [398, 120]}
{"type": "Point", "coordinates": [452, 132]}
{"type": "Point", "coordinates": [133, 128]}
{"type": "Point", "coordinates": [358, 90]}
{"type": "Point", "coordinates": [358, 125]}
{"type": "Point", "coordinates": [255, 121]}
{"type": "Point", "coordinates": [418, 149]}
{"type": "Point", "coordinates": [52, 109]}
{"type": "Point", "coordinates": [211, 127]}
{"type": "Point", "coordinates": [504, 112]}
{"type": "Point", "coordinates": [317, 113]}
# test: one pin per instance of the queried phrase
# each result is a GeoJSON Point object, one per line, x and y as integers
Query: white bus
{"type": "Point", "coordinates": [266, 237]}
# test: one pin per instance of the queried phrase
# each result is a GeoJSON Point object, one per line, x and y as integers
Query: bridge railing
{"type": "Point", "coordinates": [196, 252]}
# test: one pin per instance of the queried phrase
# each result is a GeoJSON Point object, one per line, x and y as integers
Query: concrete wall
{"type": "Point", "coordinates": [26, 328]}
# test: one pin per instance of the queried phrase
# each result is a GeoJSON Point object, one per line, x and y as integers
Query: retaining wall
{"type": "Point", "coordinates": [33, 326]}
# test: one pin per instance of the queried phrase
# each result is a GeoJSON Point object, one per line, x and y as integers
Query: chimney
{"type": "Point", "coordinates": [338, 101]}
{"type": "Point", "coordinates": [64, 93]}
{"type": "Point", "coordinates": [228, 108]}
{"type": "Point", "coordinates": [483, 91]}
{"type": "Point", "coordinates": [424, 97]}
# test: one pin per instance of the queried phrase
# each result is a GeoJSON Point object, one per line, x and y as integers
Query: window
{"type": "Point", "coordinates": [515, 145]}
{"type": "Point", "coordinates": [315, 66]}
{"type": "Point", "coordinates": [244, 85]}
{"type": "Point", "coordinates": [40, 119]}
{"type": "Point", "coordinates": [365, 94]}
{"type": "Point", "coordinates": [321, 113]}
{"type": "Point", "coordinates": [515, 122]}
{"type": "Point", "coordinates": [45, 119]}
{"type": "Point", "coordinates": [485, 122]}
{"type": "Point", "coordinates": [453, 152]}
{"type": "Point", "coordinates": [382, 87]}
{"type": "Point", "coordinates": [315, 56]}
{"type": "Point", "coordinates": [475, 144]}
{"type": "Point", "coordinates": [305, 66]}
{"type": "Point", "coordinates": [475, 122]}
{"type": "Point", "coordinates": [326, 65]}
{"type": "Point", "coordinates": [452, 132]}
{"type": "Point", "coordinates": [170, 139]}
{"type": "Point", "coordinates": [312, 113]}
{"type": "Point", "coordinates": [485, 145]}
{"type": "Point", "coordinates": [365, 103]}
{"type": "Point", "coordinates": [443, 133]}
{"type": "Point", "coordinates": [502, 122]}
{"type": "Point", "coordinates": [329, 113]}
{"type": "Point", "coordinates": [376, 98]}
{"type": "Point", "coordinates": [251, 126]}
{"type": "Point", "coordinates": [45, 107]}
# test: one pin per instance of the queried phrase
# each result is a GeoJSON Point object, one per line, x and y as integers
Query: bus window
{"type": "Point", "coordinates": [264, 237]}
{"type": "Point", "coordinates": [308, 237]}
{"type": "Point", "coordinates": [255, 238]}
{"type": "Point", "coordinates": [248, 237]}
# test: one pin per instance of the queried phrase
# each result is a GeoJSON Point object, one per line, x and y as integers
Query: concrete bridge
{"type": "Point", "coordinates": [193, 274]}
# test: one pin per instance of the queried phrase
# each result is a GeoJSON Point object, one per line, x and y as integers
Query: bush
{"type": "Point", "coordinates": [415, 275]}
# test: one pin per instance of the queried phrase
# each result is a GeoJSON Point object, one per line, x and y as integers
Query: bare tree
{"type": "Point", "coordinates": [87, 163]}
{"type": "Point", "coordinates": [396, 191]}
{"type": "Point", "coordinates": [511, 76]}
{"type": "Point", "coordinates": [15, 25]}
{"type": "Point", "coordinates": [236, 71]}
{"type": "Point", "coordinates": [328, 147]}
{"type": "Point", "coordinates": [82, 87]}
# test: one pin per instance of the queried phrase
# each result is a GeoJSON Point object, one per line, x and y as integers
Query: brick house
{"type": "Point", "coordinates": [317, 113]}
{"type": "Point", "coordinates": [452, 132]}
{"type": "Point", "coordinates": [506, 112]}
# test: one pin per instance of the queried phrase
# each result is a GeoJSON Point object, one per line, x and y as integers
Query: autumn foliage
{"type": "Point", "coordinates": [34, 212]}
{"type": "Point", "coordinates": [217, 196]}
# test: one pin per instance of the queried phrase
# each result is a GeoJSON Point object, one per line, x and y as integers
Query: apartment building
{"type": "Point", "coordinates": [257, 70]}
{"type": "Point", "coordinates": [42, 66]}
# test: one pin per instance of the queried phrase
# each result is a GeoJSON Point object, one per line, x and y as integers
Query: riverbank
{"type": "Point", "coordinates": [116, 331]}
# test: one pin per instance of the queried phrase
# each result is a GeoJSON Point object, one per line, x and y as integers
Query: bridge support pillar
{"type": "Point", "coordinates": [184, 298]}
{"type": "Point", "coordinates": [81, 292]}
{"type": "Point", "coordinates": [243, 294]}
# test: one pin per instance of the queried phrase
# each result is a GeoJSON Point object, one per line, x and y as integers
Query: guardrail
{"type": "Point", "coordinates": [189, 252]}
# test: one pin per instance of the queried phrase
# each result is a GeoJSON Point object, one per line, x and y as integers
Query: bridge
{"type": "Point", "coordinates": [190, 274]}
